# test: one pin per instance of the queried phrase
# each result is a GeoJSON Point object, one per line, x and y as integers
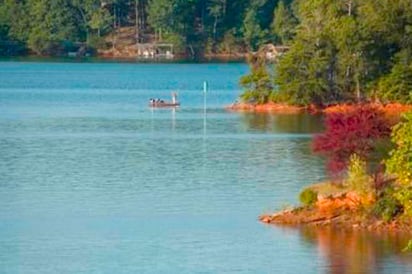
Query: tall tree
{"type": "Point", "coordinates": [283, 24]}
{"type": "Point", "coordinates": [258, 82]}
{"type": "Point", "coordinates": [217, 10]}
{"type": "Point", "coordinates": [253, 34]}
{"type": "Point", "coordinates": [51, 23]}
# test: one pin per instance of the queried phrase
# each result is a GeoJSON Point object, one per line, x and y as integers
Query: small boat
{"type": "Point", "coordinates": [159, 103]}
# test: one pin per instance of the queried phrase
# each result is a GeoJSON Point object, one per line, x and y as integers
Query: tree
{"type": "Point", "coordinates": [12, 32]}
{"type": "Point", "coordinates": [399, 163]}
{"type": "Point", "coordinates": [302, 75]}
{"type": "Point", "coordinates": [258, 83]}
{"type": "Point", "coordinates": [175, 21]}
{"type": "Point", "coordinates": [51, 23]}
{"type": "Point", "coordinates": [397, 85]}
{"type": "Point", "coordinates": [160, 14]}
{"type": "Point", "coordinates": [351, 72]}
{"type": "Point", "coordinates": [15, 19]}
{"type": "Point", "coordinates": [307, 73]}
{"type": "Point", "coordinates": [284, 23]}
{"type": "Point", "coordinates": [400, 160]}
{"type": "Point", "coordinates": [342, 49]}
{"type": "Point", "coordinates": [93, 17]}
{"type": "Point", "coordinates": [252, 32]}
{"type": "Point", "coordinates": [217, 10]}
{"type": "Point", "coordinates": [355, 131]}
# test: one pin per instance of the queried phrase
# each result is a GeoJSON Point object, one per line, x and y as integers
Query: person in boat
{"type": "Point", "coordinates": [174, 98]}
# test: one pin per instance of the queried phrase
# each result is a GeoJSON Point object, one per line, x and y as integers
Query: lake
{"type": "Point", "coordinates": [92, 180]}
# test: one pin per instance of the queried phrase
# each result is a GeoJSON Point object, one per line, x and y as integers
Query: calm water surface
{"type": "Point", "coordinates": [94, 181]}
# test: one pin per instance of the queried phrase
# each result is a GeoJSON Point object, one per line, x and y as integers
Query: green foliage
{"type": "Point", "coordinates": [14, 28]}
{"type": "Point", "coordinates": [308, 197]}
{"type": "Point", "coordinates": [51, 24]}
{"type": "Point", "coordinates": [100, 20]}
{"type": "Point", "coordinates": [344, 51]}
{"type": "Point", "coordinates": [252, 31]}
{"type": "Point", "coordinates": [176, 39]}
{"type": "Point", "coordinates": [387, 206]}
{"type": "Point", "coordinates": [339, 49]}
{"type": "Point", "coordinates": [160, 14]}
{"type": "Point", "coordinates": [96, 41]}
{"type": "Point", "coordinates": [284, 23]}
{"type": "Point", "coordinates": [358, 178]}
{"type": "Point", "coordinates": [229, 42]}
{"type": "Point", "coordinates": [397, 85]}
{"type": "Point", "coordinates": [404, 196]}
{"type": "Point", "coordinates": [300, 75]}
{"type": "Point", "coordinates": [408, 247]}
{"type": "Point", "coordinates": [219, 25]}
{"type": "Point", "coordinates": [399, 163]}
{"type": "Point", "coordinates": [258, 83]}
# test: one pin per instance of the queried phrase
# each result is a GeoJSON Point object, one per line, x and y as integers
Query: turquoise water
{"type": "Point", "coordinates": [94, 181]}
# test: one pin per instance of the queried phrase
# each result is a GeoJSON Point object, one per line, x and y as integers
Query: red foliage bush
{"type": "Point", "coordinates": [346, 133]}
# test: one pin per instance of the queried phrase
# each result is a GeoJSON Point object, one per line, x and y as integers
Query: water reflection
{"type": "Point", "coordinates": [288, 123]}
{"type": "Point", "coordinates": [349, 252]}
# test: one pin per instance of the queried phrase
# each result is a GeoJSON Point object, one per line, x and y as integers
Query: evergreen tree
{"type": "Point", "coordinates": [397, 85]}
{"type": "Point", "coordinates": [258, 83]}
{"type": "Point", "coordinates": [253, 34]}
{"type": "Point", "coordinates": [283, 25]}
{"type": "Point", "coordinates": [51, 23]}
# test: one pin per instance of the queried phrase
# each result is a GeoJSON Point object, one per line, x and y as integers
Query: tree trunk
{"type": "Point", "coordinates": [114, 27]}
{"type": "Point", "coordinates": [214, 29]}
{"type": "Point", "coordinates": [358, 96]}
{"type": "Point", "coordinates": [85, 23]}
{"type": "Point", "coordinates": [350, 8]}
{"type": "Point", "coordinates": [136, 10]}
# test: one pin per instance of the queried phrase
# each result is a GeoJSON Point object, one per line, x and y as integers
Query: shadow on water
{"type": "Point", "coordinates": [349, 252]}
{"type": "Point", "coordinates": [285, 123]}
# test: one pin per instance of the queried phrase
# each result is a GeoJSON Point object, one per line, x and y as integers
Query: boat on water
{"type": "Point", "coordinates": [159, 103]}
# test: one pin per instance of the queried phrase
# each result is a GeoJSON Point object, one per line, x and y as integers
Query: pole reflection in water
{"type": "Point", "coordinates": [173, 119]}
{"type": "Point", "coordinates": [204, 107]}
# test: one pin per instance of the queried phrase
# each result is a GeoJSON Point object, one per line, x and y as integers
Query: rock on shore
{"type": "Point", "coordinates": [344, 210]}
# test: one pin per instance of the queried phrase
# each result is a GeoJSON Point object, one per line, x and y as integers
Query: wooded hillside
{"type": "Point", "coordinates": [194, 27]}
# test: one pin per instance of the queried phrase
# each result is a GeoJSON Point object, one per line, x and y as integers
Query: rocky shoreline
{"type": "Point", "coordinates": [342, 210]}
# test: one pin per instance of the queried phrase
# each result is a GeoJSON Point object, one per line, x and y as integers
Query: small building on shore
{"type": "Point", "coordinates": [154, 51]}
{"type": "Point", "coordinates": [271, 52]}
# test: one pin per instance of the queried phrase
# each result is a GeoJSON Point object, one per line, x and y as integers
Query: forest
{"type": "Point", "coordinates": [195, 27]}
{"type": "Point", "coordinates": [340, 51]}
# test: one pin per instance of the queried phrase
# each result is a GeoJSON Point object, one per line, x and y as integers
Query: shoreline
{"type": "Point", "coordinates": [341, 210]}
{"type": "Point", "coordinates": [126, 59]}
{"type": "Point", "coordinates": [267, 108]}
{"type": "Point", "coordinates": [339, 205]}
{"type": "Point", "coordinates": [278, 108]}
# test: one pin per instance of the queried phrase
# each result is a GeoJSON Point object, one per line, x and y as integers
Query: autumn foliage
{"type": "Point", "coordinates": [391, 111]}
{"type": "Point", "coordinates": [355, 130]}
